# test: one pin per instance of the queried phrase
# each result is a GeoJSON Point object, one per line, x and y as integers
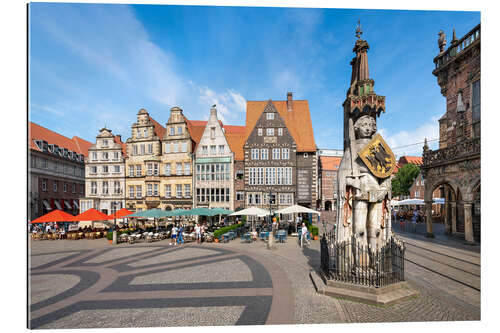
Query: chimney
{"type": "Point", "coordinates": [289, 105]}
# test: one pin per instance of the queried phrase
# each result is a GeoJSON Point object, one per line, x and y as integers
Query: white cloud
{"type": "Point", "coordinates": [34, 107]}
{"type": "Point", "coordinates": [410, 142]}
{"type": "Point", "coordinates": [230, 104]}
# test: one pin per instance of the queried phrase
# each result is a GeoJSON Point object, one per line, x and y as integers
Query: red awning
{"type": "Point", "coordinates": [54, 216]}
{"type": "Point", "coordinates": [91, 215]}
{"type": "Point", "coordinates": [121, 213]}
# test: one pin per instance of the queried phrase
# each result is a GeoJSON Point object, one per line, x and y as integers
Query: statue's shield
{"type": "Point", "coordinates": [378, 157]}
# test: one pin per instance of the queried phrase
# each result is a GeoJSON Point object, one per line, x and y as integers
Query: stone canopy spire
{"type": "Point", "coordinates": [360, 72]}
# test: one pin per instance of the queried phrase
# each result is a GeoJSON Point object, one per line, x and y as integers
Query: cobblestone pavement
{"type": "Point", "coordinates": [89, 283]}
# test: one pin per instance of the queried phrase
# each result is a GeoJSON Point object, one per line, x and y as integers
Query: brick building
{"type": "Point", "coordinates": [280, 154]}
{"type": "Point", "coordinates": [456, 165]}
{"type": "Point", "coordinates": [56, 174]}
{"type": "Point", "coordinates": [327, 179]}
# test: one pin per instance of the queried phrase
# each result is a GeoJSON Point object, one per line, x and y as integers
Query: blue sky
{"type": "Point", "coordinates": [96, 65]}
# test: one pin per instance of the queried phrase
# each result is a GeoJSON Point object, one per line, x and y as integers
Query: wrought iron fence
{"type": "Point", "coordinates": [351, 262]}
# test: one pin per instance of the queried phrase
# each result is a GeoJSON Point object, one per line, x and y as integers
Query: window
{"type": "Point", "coordinates": [150, 148]}
{"type": "Point", "coordinates": [255, 154]}
{"type": "Point", "coordinates": [73, 188]}
{"type": "Point", "coordinates": [212, 133]}
{"type": "Point", "coordinates": [105, 169]}
{"type": "Point", "coordinates": [149, 190]}
{"type": "Point", "coordinates": [187, 190]}
{"type": "Point", "coordinates": [167, 148]}
{"type": "Point", "coordinates": [168, 191]}
{"type": "Point", "coordinates": [104, 143]}
{"type": "Point", "coordinates": [135, 150]}
{"type": "Point", "coordinates": [131, 171]}
{"type": "Point", "coordinates": [167, 169]}
{"type": "Point", "coordinates": [259, 131]}
{"type": "Point", "coordinates": [131, 191]}
{"type": "Point", "coordinates": [250, 198]}
{"type": "Point", "coordinates": [117, 169]}
{"type": "Point", "coordinates": [227, 194]}
{"type": "Point", "coordinates": [156, 171]}
{"type": "Point", "coordinates": [184, 147]}
{"type": "Point", "coordinates": [155, 189]}
{"type": "Point", "coordinates": [143, 149]}
{"type": "Point", "coordinates": [285, 153]}
{"type": "Point", "coordinates": [93, 169]}
{"type": "Point", "coordinates": [204, 150]}
{"type": "Point", "coordinates": [221, 149]}
{"type": "Point", "coordinates": [105, 156]}
{"type": "Point", "coordinates": [94, 156]}
{"type": "Point", "coordinates": [264, 154]}
{"type": "Point", "coordinates": [213, 150]}
{"type": "Point", "coordinates": [104, 187]}
{"type": "Point", "coordinates": [175, 147]}
{"type": "Point", "coordinates": [138, 172]}
{"type": "Point", "coordinates": [65, 187]}
{"type": "Point", "coordinates": [116, 155]}
{"type": "Point", "coordinates": [240, 196]}
{"type": "Point", "coordinates": [280, 131]}
{"type": "Point", "coordinates": [476, 108]}
{"type": "Point", "coordinates": [187, 168]}
{"type": "Point", "coordinates": [239, 174]}
{"type": "Point", "coordinates": [257, 199]}
{"type": "Point", "coordinates": [117, 188]}
{"type": "Point", "coordinates": [139, 133]}
{"type": "Point", "coordinates": [270, 115]}
{"type": "Point", "coordinates": [417, 194]}
{"type": "Point", "coordinates": [179, 129]}
{"type": "Point", "coordinates": [44, 163]}
{"type": "Point", "coordinates": [139, 191]}
{"type": "Point", "coordinates": [178, 190]}
{"type": "Point", "coordinates": [93, 188]}
{"type": "Point", "coordinates": [55, 185]}
{"type": "Point", "coordinates": [150, 169]}
{"type": "Point", "coordinates": [81, 189]}
{"type": "Point", "coordinates": [276, 153]}
{"type": "Point", "coordinates": [270, 131]}
{"type": "Point", "coordinates": [179, 168]}
{"type": "Point", "coordinates": [172, 130]}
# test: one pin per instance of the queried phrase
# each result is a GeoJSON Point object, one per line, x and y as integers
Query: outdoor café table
{"type": "Point", "coordinates": [281, 236]}
{"type": "Point", "coordinates": [264, 234]}
{"type": "Point", "coordinates": [247, 237]}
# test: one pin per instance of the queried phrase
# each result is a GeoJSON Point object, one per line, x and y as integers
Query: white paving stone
{"type": "Point", "coordinates": [120, 253]}
{"type": "Point", "coordinates": [184, 253]}
{"type": "Point", "coordinates": [38, 260]}
{"type": "Point", "coordinates": [45, 286]}
{"type": "Point", "coordinates": [225, 271]}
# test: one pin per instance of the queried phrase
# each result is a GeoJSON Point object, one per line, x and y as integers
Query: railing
{"type": "Point", "coordinates": [458, 47]}
{"type": "Point", "coordinates": [457, 151]}
{"type": "Point", "coordinates": [350, 262]}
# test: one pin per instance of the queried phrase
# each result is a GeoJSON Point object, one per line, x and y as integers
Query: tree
{"type": "Point", "coordinates": [403, 180]}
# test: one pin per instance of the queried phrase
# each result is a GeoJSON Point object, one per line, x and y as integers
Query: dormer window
{"type": "Point", "coordinates": [146, 133]}
{"type": "Point", "coordinates": [270, 116]}
{"type": "Point", "coordinates": [172, 130]}
{"type": "Point", "coordinates": [104, 143]}
{"type": "Point", "coordinates": [179, 129]}
{"type": "Point", "coordinates": [138, 133]}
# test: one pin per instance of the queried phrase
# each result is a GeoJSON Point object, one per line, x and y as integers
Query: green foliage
{"type": "Point", "coordinates": [314, 230]}
{"type": "Point", "coordinates": [109, 235]}
{"type": "Point", "coordinates": [403, 180]}
{"type": "Point", "coordinates": [223, 230]}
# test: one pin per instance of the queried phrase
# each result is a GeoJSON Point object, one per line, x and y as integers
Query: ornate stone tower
{"type": "Point", "coordinates": [364, 189]}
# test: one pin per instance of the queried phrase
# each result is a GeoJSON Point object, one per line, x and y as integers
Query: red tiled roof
{"type": "Point", "coordinates": [123, 144]}
{"type": "Point", "coordinates": [159, 130]}
{"type": "Point", "coordinates": [235, 136]}
{"type": "Point", "coordinates": [330, 162]}
{"type": "Point", "coordinates": [76, 144]}
{"type": "Point", "coordinates": [417, 160]}
{"type": "Point", "coordinates": [297, 121]}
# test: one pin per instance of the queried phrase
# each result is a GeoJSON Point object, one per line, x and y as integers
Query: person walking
{"type": "Point", "coordinates": [197, 232]}
{"type": "Point", "coordinates": [303, 235]}
{"type": "Point", "coordinates": [180, 236]}
{"type": "Point", "coordinates": [173, 240]}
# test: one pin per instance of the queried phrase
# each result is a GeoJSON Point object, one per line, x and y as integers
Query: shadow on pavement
{"type": "Point", "coordinates": [313, 257]}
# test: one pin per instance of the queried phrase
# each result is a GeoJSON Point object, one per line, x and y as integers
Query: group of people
{"type": "Point", "coordinates": [177, 237]}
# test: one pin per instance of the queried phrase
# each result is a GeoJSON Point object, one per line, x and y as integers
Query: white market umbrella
{"type": "Point", "coordinates": [251, 211]}
{"type": "Point", "coordinates": [438, 201]}
{"type": "Point", "coordinates": [296, 209]}
{"type": "Point", "coordinates": [411, 202]}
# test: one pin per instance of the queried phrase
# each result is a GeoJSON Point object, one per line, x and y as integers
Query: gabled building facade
{"type": "Point", "coordinates": [144, 158]}
{"type": "Point", "coordinates": [176, 186]}
{"type": "Point", "coordinates": [105, 174]}
{"type": "Point", "coordinates": [213, 167]}
{"type": "Point", "coordinates": [280, 154]}
{"type": "Point", "coordinates": [56, 171]}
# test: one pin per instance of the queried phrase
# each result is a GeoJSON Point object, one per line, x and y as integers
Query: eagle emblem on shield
{"type": "Point", "coordinates": [378, 157]}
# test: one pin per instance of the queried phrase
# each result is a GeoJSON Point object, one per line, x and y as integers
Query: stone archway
{"type": "Point", "coordinates": [450, 205]}
{"type": "Point", "coordinates": [328, 205]}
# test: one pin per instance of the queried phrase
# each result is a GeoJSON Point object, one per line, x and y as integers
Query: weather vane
{"type": "Point", "coordinates": [359, 32]}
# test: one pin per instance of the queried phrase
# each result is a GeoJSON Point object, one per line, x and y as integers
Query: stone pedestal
{"type": "Point", "coordinates": [383, 296]}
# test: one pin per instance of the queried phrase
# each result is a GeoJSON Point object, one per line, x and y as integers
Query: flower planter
{"type": "Point", "coordinates": [315, 237]}
{"type": "Point", "coordinates": [216, 240]}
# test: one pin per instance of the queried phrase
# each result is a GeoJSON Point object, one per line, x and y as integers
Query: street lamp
{"type": "Point", "coordinates": [270, 244]}
{"type": "Point", "coordinates": [113, 205]}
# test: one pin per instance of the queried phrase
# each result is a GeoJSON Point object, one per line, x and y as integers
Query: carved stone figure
{"type": "Point", "coordinates": [441, 40]}
{"type": "Point", "coordinates": [364, 181]}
